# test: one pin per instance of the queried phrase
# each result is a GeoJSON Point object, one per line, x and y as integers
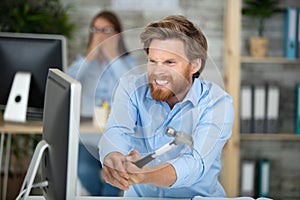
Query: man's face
{"type": "Point", "coordinates": [170, 73]}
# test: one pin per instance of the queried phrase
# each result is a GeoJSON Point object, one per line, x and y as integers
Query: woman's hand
{"type": "Point", "coordinates": [94, 47]}
{"type": "Point", "coordinates": [103, 47]}
{"type": "Point", "coordinates": [109, 47]}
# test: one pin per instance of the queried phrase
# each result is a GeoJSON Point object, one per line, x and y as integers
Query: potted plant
{"type": "Point", "coordinates": [260, 10]}
{"type": "Point", "coordinates": [43, 16]}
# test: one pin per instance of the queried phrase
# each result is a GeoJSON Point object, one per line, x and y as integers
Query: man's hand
{"type": "Point", "coordinates": [162, 175]}
{"type": "Point", "coordinates": [120, 171]}
{"type": "Point", "coordinates": [136, 175]}
{"type": "Point", "coordinates": [114, 171]}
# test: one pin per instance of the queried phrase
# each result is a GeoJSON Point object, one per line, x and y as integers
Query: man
{"type": "Point", "coordinates": [169, 94]}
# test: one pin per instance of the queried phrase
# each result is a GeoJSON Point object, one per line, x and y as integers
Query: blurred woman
{"type": "Point", "coordinates": [99, 70]}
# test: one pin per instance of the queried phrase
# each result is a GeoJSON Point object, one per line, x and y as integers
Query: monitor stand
{"type": "Point", "coordinates": [18, 98]}
{"type": "Point", "coordinates": [32, 170]}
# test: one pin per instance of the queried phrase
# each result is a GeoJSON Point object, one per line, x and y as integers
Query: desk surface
{"type": "Point", "coordinates": [109, 198]}
{"type": "Point", "coordinates": [148, 198]}
{"type": "Point", "coordinates": [36, 127]}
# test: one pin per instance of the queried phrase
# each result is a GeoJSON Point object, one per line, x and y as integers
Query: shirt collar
{"type": "Point", "coordinates": [194, 94]}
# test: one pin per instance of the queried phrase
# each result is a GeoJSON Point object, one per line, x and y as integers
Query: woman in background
{"type": "Point", "coordinates": [105, 61]}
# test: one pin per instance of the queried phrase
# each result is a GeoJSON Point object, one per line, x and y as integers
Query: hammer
{"type": "Point", "coordinates": [180, 137]}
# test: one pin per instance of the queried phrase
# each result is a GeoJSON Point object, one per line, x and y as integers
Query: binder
{"type": "Point", "coordinates": [248, 174]}
{"type": "Point", "coordinates": [272, 104]}
{"type": "Point", "coordinates": [259, 108]}
{"type": "Point", "coordinates": [298, 51]}
{"type": "Point", "coordinates": [263, 178]}
{"type": "Point", "coordinates": [297, 109]}
{"type": "Point", "coordinates": [291, 33]}
{"type": "Point", "coordinates": [246, 109]}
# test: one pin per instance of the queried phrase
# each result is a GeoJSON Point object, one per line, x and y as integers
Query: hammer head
{"type": "Point", "coordinates": [180, 137]}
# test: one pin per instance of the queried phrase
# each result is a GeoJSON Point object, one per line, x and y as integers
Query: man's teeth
{"type": "Point", "coordinates": [161, 82]}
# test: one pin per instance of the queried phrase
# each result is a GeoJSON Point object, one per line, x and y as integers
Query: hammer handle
{"type": "Point", "coordinates": [142, 162]}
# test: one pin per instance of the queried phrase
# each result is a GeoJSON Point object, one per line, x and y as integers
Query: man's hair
{"type": "Point", "coordinates": [178, 27]}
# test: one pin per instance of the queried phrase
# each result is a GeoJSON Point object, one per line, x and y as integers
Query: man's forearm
{"type": "Point", "coordinates": [163, 175]}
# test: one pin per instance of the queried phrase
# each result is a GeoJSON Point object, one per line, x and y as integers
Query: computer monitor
{"type": "Point", "coordinates": [33, 53]}
{"type": "Point", "coordinates": [57, 153]}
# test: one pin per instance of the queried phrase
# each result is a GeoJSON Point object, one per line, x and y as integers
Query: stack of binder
{"type": "Point", "coordinates": [259, 108]}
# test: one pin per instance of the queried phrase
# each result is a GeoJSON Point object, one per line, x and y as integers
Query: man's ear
{"type": "Point", "coordinates": [196, 65]}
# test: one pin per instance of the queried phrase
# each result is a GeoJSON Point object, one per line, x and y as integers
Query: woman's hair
{"type": "Point", "coordinates": [112, 18]}
{"type": "Point", "coordinates": [178, 27]}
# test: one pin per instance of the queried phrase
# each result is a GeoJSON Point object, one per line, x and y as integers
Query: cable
{"type": "Point", "coordinates": [39, 185]}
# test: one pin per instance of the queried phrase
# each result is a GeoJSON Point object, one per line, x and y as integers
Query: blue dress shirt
{"type": "Point", "coordinates": [137, 121]}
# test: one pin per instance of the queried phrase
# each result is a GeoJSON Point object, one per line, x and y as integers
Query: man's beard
{"type": "Point", "coordinates": [163, 94]}
{"type": "Point", "coordinates": [160, 94]}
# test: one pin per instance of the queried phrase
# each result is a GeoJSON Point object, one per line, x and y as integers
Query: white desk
{"type": "Point", "coordinates": [7, 129]}
{"type": "Point", "coordinates": [112, 198]}
{"type": "Point", "coordinates": [148, 198]}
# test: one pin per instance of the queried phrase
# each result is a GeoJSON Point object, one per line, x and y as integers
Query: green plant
{"type": "Point", "coordinates": [35, 16]}
{"type": "Point", "coordinates": [261, 10]}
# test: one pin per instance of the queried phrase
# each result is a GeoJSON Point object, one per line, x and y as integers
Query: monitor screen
{"type": "Point", "coordinates": [57, 153]}
{"type": "Point", "coordinates": [61, 132]}
{"type": "Point", "coordinates": [34, 53]}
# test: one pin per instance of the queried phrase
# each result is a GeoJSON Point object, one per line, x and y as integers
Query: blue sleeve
{"type": "Point", "coordinates": [75, 66]}
{"type": "Point", "coordinates": [210, 135]}
{"type": "Point", "coordinates": [121, 123]}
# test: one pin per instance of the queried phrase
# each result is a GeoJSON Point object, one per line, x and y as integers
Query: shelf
{"type": "Point", "coordinates": [277, 60]}
{"type": "Point", "coordinates": [270, 136]}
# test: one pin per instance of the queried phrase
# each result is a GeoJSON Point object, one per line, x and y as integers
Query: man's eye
{"type": "Point", "coordinates": [151, 61]}
{"type": "Point", "coordinates": [169, 62]}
